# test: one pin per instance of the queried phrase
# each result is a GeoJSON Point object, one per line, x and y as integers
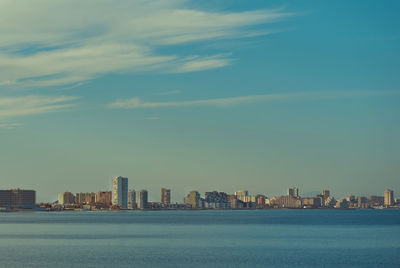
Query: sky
{"type": "Point", "coordinates": [205, 95]}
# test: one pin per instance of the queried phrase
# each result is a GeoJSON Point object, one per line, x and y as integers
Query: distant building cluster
{"type": "Point", "coordinates": [121, 197]}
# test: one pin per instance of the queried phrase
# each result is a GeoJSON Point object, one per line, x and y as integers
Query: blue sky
{"type": "Point", "coordinates": [221, 95]}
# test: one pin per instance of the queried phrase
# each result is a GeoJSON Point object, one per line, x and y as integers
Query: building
{"type": "Point", "coordinates": [286, 201]}
{"type": "Point", "coordinates": [103, 198]}
{"type": "Point", "coordinates": [294, 192]}
{"type": "Point", "coordinates": [311, 202]}
{"type": "Point", "coordinates": [375, 201]}
{"type": "Point", "coordinates": [80, 198]}
{"type": "Point", "coordinates": [326, 193]}
{"type": "Point", "coordinates": [242, 192]}
{"type": "Point", "coordinates": [165, 196]}
{"type": "Point", "coordinates": [18, 198]}
{"type": "Point", "coordinates": [260, 201]}
{"type": "Point", "coordinates": [342, 203]}
{"type": "Point", "coordinates": [388, 196]}
{"type": "Point", "coordinates": [131, 199]}
{"type": "Point", "coordinates": [362, 201]}
{"type": "Point", "coordinates": [142, 199]}
{"type": "Point", "coordinates": [194, 199]}
{"type": "Point", "coordinates": [120, 191]}
{"type": "Point", "coordinates": [66, 198]}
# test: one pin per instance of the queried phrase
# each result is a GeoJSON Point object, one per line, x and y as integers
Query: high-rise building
{"type": "Point", "coordinates": [326, 193]}
{"type": "Point", "coordinates": [194, 198]}
{"type": "Point", "coordinates": [142, 199]}
{"type": "Point", "coordinates": [388, 196]}
{"type": "Point", "coordinates": [66, 198]}
{"type": "Point", "coordinates": [120, 192]}
{"type": "Point", "coordinates": [242, 193]}
{"type": "Point", "coordinates": [165, 196]}
{"type": "Point", "coordinates": [131, 199]}
{"type": "Point", "coordinates": [17, 198]}
{"type": "Point", "coordinates": [293, 192]}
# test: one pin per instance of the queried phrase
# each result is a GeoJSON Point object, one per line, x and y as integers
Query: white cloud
{"type": "Point", "coordinates": [11, 107]}
{"type": "Point", "coordinates": [48, 43]}
{"type": "Point", "coordinates": [11, 125]}
{"type": "Point", "coordinates": [137, 103]}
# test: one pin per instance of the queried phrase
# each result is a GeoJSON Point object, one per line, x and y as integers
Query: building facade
{"type": "Point", "coordinates": [294, 192]}
{"type": "Point", "coordinates": [120, 191]}
{"type": "Point", "coordinates": [142, 202]}
{"type": "Point", "coordinates": [66, 198]}
{"type": "Point", "coordinates": [389, 198]}
{"type": "Point", "coordinates": [165, 196]}
{"type": "Point", "coordinates": [17, 198]}
{"type": "Point", "coordinates": [103, 198]}
{"type": "Point", "coordinates": [194, 199]}
{"type": "Point", "coordinates": [131, 199]}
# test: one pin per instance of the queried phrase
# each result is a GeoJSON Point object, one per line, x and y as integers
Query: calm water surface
{"type": "Point", "coordinates": [262, 238]}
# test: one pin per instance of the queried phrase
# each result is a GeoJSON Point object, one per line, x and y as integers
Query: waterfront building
{"type": "Point", "coordinates": [389, 199]}
{"type": "Point", "coordinates": [326, 193]}
{"type": "Point", "coordinates": [311, 202]}
{"type": "Point", "coordinates": [120, 191]}
{"type": "Point", "coordinates": [286, 201]}
{"type": "Point", "coordinates": [330, 202]}
{"type": "Point", "coordinates": [66, 198]}
{"type": "Point", "coordinates": [131, 199]}
{"type": "Point", "coordinates": [80, 198]}
{"type": "Point", "coordinates": [260, 200]}
{"type": "Point", "coordinates": [375, 201]}
{"type": "Point", "coordinates": [142, 199]}
{"type": "Point", "coordinates": [165, 196]}
{"type": "Point", "coordinates": [361, 201]}
{"type": "Point", "coordinates": [90, 198]}
{"type": "Point", "coordinates": [294, 192]}
{"type": "Point", "coordinates": [103, 198]}
{"type": "Point", "coordinates": [17, 198]}
{"type": "Point", "coordinates": [342, 203]}
{"type": "Point", "coordinates": [194, 199]}
{"type": "Point", "coordinates": [216, 197]}
{"type": "Point", "coordinates": [242, 192]}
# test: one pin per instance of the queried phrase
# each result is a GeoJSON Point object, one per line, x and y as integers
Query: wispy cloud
{"type": "Point", "coordinates": [11, 125]}
{"type": "Point", "coordinates": [137, 103]}
{"type": "Point", "coordinates": [166, 93]}
{"type": "Point", "coordinates": [11, 107]}
{"type": "Point", "coordinates": [49, 43]}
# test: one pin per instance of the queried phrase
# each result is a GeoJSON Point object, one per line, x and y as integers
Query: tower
{"type": "Point", "coordinates": [120, 192]}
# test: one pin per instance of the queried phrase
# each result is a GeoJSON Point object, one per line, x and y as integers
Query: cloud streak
{"type": "Point", "coordinates": [11, 107]}
{"type": "Point", "coordinates": [137, 103]}
{"type": "Point", "coordinates": [50, 43]}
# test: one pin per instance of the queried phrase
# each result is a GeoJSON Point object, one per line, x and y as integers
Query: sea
{"type": "Point", "coordinates": [204, 238]}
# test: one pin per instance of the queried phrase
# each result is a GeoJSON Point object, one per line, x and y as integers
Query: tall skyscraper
{"type": "Point", "coordinates": [142, 199]}
{"type": "Point", "coordinates": [388, 196]}
{"type": "Point", "coordinates": [131, 199]}
{"type": "Point", "coordinates": [165, 196]}
{"type": "Point", "coordinates": [120, 192]}
{"type": "Point", "coordinates": [326, 193]}
{"type": "Point", "coordinates": [194, 198]}
{"type": "Point", "coordinates": [293, 192]}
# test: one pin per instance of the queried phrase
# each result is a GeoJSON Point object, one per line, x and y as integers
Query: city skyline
{"type": "Point", "coordinates": [200, 95]}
